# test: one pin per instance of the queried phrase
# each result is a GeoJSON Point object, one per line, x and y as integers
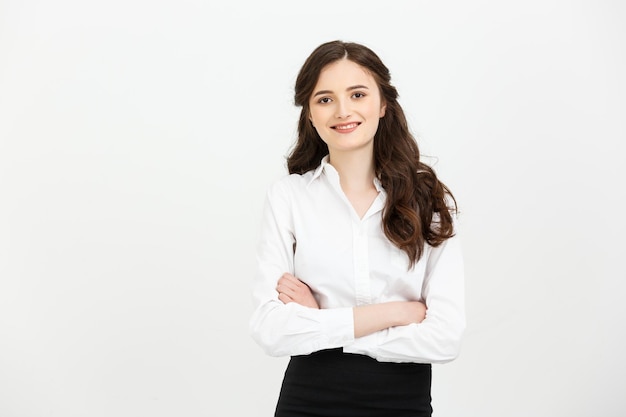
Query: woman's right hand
{"type": "Point", "coordinates": [291, 290]}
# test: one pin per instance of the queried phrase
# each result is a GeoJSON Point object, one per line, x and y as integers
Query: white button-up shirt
{"type": "Point", "coordinates": [310, 229]}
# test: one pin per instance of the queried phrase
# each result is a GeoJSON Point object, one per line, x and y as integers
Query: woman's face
{"type": "Point", "coordinates": [345, 107]}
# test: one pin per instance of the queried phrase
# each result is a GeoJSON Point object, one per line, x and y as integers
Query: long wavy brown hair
{"type": "Point", "coordinates": [416, 211]}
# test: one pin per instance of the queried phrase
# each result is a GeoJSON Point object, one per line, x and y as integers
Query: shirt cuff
{"type": "Point", "coordinates": [365, 345]}
{"type": "Point", "coordinates": [337, 327]}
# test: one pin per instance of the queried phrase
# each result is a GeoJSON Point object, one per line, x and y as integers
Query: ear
{"type": "Point", "coordinates": [383, 107]}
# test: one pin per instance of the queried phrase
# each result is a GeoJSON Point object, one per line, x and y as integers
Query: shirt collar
{"type": "Point", "coordinates": [325, 166]}
{"type": "Point", "coordinates": [318, 171]}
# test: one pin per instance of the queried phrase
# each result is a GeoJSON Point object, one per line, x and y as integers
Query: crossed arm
{"type": "Point", "coordinates": [367, 318]}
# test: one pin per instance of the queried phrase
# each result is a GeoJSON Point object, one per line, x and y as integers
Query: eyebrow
{"type": "Point", "coordinates": [354, 87]}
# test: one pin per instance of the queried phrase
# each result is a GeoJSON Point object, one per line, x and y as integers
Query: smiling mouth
{"type": "Point", "coordinates": [347, 126]}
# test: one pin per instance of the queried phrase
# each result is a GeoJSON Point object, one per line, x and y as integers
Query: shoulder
{"type": "Point", "coordinates": [289, 185]}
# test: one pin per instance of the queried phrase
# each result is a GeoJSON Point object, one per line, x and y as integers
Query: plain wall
{"type": "Point", "coordinates": [137, 139]}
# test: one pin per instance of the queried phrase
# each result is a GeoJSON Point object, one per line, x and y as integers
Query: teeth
{"type": "Point", "coordinates": [350, 126]}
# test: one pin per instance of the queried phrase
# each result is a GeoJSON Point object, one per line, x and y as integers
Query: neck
{"type": "Point", "coordinates": [355, 168]}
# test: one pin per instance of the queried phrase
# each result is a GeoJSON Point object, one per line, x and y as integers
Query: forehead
{"type": "Point", "coordinates": [344, 73]}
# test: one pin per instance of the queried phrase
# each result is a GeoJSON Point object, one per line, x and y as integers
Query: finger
{"type": "Point", "coordinates": [289, 283]}
{"type": "Point", "coordinates": [284, 298]}
{"type": "Point", "coordinates": [283, 289]}
{"type": "Point", "coordinates": [289, 287]}
{"type": "Point", "coordinates": [287, 277]}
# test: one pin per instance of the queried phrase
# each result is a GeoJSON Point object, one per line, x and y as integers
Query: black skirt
{"type": "Point", "coordinates": [333, 383]}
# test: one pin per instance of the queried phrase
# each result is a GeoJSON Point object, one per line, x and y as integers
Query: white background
{"type": "Point", "coordinates": [137, 139]}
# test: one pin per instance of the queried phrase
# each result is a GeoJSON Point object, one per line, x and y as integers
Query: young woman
{"type": "Point", "coordinates": [360, 275]}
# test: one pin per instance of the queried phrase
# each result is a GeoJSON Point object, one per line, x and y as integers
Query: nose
{"type": "Point", "coordinates": [342, 110]}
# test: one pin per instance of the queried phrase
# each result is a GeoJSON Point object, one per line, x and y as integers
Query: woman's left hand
{"type": "Point", "coordinates": [291, 289]}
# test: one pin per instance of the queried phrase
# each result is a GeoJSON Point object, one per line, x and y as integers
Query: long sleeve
{"type": "Point", "coordinates": [288, 329]}
{"type": "Point", "coordinates": [438, 338]}
{"type": "Point", "coordinates": [310, 230]}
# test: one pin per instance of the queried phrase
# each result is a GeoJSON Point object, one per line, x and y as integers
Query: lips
{"type": "Point", "coordinates": [346, 127]}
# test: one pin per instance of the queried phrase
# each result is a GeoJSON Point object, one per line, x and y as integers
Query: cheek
{"type": "Point", "coordinates": [375, 125]}
{"type": "Point", "coordinates": [318, 117]}
{"type": "Point", "coordinates": [375, 112]}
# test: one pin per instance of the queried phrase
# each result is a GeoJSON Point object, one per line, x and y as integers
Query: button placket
{"type": "Point", "coordinates": [361, 264]}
